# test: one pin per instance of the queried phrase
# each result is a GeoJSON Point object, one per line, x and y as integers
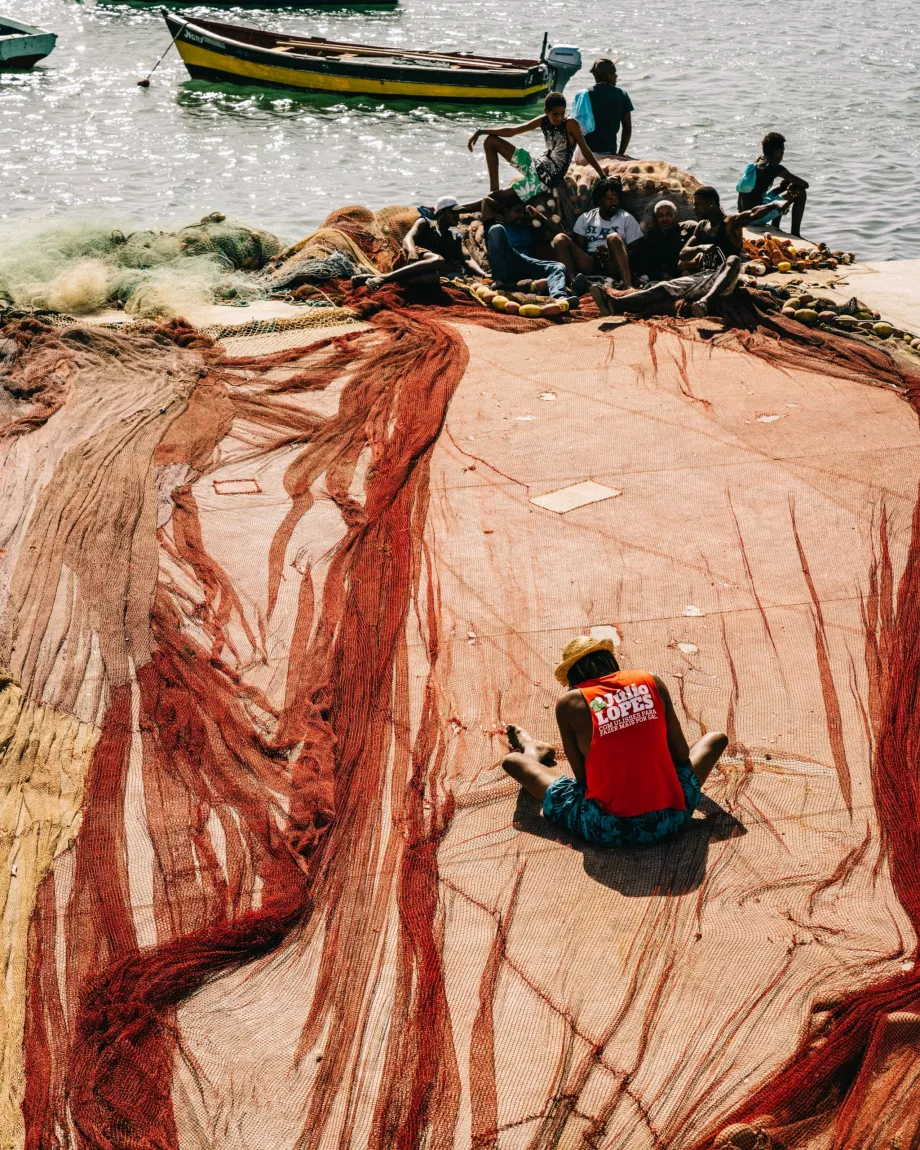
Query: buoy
{"type": "Point", "coordinates": [789, 312]}
{"type": "Point", "coordinates": [551, 309]}
{"type": "Point", "coordinates": [882, 330]}
{"type": "Point", "coordinates": [531, 310]}
{"type": "Point", "coordinates": [827, 316]}
{"type": "Point", "coordinates": [784, 267]}
{"type": "Point", "coordinates": [847, 321]}
{"type": "Point", "coordinates": [499, 302]}
{"type": "Point", "coordinates": [807, 316]}
{"type": "Point", "coordinates": [512, 307]}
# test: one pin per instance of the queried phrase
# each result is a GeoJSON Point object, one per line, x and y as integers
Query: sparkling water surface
{"type": "Point", "coordinates": [79, 139]}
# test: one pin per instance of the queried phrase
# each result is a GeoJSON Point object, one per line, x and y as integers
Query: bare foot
{"type": "Point", "coordinates": [523, 741]}
{"type": "Point", "coordinates": [700, 309]}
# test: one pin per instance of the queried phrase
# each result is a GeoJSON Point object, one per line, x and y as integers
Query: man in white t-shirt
{"type": "Point", "coordinates": [601, 236]}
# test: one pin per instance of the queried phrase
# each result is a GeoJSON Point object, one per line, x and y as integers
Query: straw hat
{"type": "Point", "coordinates": [576, 649]}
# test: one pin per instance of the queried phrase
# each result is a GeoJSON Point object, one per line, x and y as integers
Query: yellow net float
{"type": "Point", "coordinates": [499, 302]}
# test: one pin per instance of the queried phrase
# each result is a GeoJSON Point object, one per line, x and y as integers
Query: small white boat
{"type": "Point", "coordinates": [22, 45]}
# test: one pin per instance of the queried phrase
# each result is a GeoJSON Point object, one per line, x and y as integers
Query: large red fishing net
{"type": "Point", "coordinates": [298, 593]}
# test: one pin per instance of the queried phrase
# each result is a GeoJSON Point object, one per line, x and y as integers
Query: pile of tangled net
{"type": "Point", "coordinates": [84, 268]}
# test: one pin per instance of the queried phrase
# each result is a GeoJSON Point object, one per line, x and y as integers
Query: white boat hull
{"type": "Point", "coordinates": [22, 45]}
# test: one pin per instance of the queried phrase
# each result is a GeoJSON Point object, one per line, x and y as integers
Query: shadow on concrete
{"type": "Point", "coordinates": [672, 867]}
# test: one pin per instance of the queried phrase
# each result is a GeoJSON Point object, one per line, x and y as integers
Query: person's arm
{"type": "Point", "coordinates": [514, 130]}
{"type": "Point", "coordinates": [752, 215]}
{"type": "Point", "coordinates": [579, 138]}
{"type": "Point", "coordinates": [793, 181]}
{"type": "Point", "coordinates": [471, 264]}
{"type": "Point", "coordinates": [569, 740]}
{"type": "Point", "coordinates": [578, 234]}
{"type": "Point", "coordinates": [409, 239]}
{"type": "Point", "coordinates": [677, 742]}
{"type": "Point", "coordinates": [631, 229]}
{"type": "Point", "coordinates": [551, 226]}
{"type": "Point", "coordinates": [693, 250]}
{"type": "Point", "coordinates": [627, 132]}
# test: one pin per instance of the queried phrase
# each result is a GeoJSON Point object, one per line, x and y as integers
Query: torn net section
{"type": "Point", "coordinates": [305, 779]}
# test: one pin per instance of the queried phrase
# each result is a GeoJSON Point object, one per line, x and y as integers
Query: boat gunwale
{"type": "Point", "coordinates": [21, 29]}
{"type": "Point", "coordinates": [507, 66]}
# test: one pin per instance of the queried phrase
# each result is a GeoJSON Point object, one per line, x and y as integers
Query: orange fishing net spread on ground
{"type": "Point", "coordinates": [296, 595]}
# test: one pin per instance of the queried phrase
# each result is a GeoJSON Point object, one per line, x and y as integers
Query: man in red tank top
{"type": "Point", "coordinates": [636, 779]}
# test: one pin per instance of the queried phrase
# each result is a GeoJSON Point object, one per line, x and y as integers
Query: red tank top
{"type": "Point", "coordinates": [629, 767]}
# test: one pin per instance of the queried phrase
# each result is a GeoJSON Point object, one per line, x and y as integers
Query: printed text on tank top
{"type": "Point", "coordinates": [618, 709]}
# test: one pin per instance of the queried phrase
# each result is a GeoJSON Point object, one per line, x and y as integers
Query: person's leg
{"type": "Point", "coordinates": [510, 266]}
{"type": "Point", "coordinates": [706, 753]}
{"type": "Point", "coordinates": [798, 210]}
{"type": "Point", "coordinates": [501, 253]}
{"type": "Point", "coordinates": [723, 284]}
{"type": "Point", "coordinates": [530, 762]}
{"type": "Point", "coordinates": [495, 146]}
{"type": "Point", "coordinates": [571, 256]}
{"type": "Point", "coordinates": [524, 267]}
{"type": "Point", "coordinates": [618, 258]}
{"type": "Point", "coordinates": [617, 303]}
{"type": "Point", "coordinates": [554, 274]}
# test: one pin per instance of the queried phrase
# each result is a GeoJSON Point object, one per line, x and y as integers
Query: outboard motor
{"type": "Point", "coordinates": [563, 62]}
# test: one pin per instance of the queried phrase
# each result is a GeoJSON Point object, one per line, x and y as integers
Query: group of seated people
{"type": "Point", "coordinates": [685, 263]}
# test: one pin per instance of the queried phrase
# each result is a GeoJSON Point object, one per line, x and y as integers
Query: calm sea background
{"type": "Point", "coordinates": [79, 139]}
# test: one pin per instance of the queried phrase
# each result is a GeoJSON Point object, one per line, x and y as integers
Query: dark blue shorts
{"type": "Point", "coordinates": [566, 805]}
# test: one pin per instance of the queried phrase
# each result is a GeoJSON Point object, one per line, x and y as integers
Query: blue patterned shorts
{"type": "Point", "coordinates": [566, 805]}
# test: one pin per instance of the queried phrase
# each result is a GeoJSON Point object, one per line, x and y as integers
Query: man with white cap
{"type": "Point", "coordinates": [636, 779]}
{"type": "Point", "coordinates": [432, 249]}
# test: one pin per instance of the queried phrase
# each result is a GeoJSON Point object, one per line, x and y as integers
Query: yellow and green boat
{"type": "Point", "coordinates": [239, 54]}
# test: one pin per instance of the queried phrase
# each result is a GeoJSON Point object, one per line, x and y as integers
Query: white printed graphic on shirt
{"type": "Point", "coordinates": [624, 708]}
{"type": "Point", "coordinates": [596, 229]}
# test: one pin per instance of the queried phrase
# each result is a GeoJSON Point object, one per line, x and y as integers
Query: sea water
{"type": "Point", "coordinates": [708, 78]}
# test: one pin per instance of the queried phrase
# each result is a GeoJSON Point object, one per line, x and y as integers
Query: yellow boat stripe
{"type": "Point", "coordinates": [359, 85]}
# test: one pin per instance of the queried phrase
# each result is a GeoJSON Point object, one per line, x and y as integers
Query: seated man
{"type": "Point", "coordinates": [636, 780]}
{"type": "Point", "coordinates": [508, 225]}
{"type": "Point", "coordinates": [754, 187]}
{"type": "Point", "coordinates": [657, 254]}
{"type": "Point", "coordinates": [431, 249]}
{"type": "Point", "coordinates": [562, 135]}
{"type": "Point", "coordinates": [711, 260]}
{"type": "Point", "coordinates": [601, 235]}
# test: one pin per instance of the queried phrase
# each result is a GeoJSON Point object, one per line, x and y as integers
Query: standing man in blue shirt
{"type": "Point", "coordinates": [612, 109]}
